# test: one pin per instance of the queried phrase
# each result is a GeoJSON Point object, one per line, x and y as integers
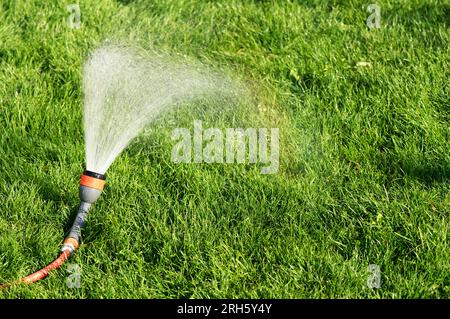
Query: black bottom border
{"type": "Point", "coordinates": [234, 308]}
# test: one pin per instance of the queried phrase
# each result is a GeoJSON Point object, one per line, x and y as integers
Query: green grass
{"type": "Point", "coordinates": [365, 156]}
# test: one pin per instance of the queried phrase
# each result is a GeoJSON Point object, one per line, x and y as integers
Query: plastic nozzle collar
{"type": "Point", "coordinates": [93, 180]}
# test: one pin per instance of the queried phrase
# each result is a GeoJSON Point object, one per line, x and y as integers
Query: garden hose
{"type": "Point", "coordinates": [91, 186]}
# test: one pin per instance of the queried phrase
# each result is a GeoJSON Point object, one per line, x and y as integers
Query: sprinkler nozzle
{"type": "Point", "coordinates": [91, 187]}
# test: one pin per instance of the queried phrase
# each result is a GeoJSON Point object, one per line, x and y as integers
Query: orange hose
{"type": "Point", "coordinates": [41, 274]}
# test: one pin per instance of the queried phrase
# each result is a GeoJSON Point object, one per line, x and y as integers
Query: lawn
{"type": "Point", "coordinates": [364, 153]}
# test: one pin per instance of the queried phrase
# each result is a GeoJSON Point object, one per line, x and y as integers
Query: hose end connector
{"type": "Point", "coordinates": [70, 244]}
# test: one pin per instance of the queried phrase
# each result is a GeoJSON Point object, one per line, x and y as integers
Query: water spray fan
{"type": "Point", "coordinates": [123, 92]}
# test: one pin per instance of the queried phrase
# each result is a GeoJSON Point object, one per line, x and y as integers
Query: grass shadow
{"type": "Point", "coordinates": [427, 174]}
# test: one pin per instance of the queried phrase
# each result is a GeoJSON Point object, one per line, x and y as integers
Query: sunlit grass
{"type": "Point", "coordinates": [365, 157]}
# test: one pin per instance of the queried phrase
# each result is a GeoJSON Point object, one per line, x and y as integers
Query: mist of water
{"type": "Point", "coordinates": [125, 90]}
